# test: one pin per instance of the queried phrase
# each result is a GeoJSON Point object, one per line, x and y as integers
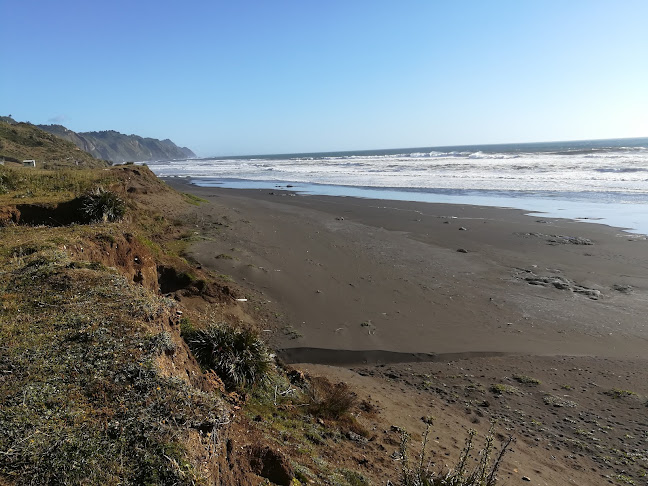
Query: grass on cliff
{"type": "Point", "coordinates": [302, 415]}
{"type": "Point", "coordinates": [22, 141]}
{"type": "Point", "coordinates": [238, 356]}
{"type": "Point", "coordinates": [19, 183]}
{"type": "Point", "coordinates": [193, 199]}
{"type": "Point", "coordinates": [82, 400]}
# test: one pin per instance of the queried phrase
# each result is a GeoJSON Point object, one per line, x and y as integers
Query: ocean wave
{"type": "Point", "coordinates": [620, 170]}
{"type": "Point", "coordinates": [598, 169]}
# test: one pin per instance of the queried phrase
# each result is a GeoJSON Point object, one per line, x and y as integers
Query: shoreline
{"type": "Point", "coordinates": [365, 275]}
{"type": "Point", "coordinates": [344, 357]}
{"type": "Point", "coordinates": [628, 217]}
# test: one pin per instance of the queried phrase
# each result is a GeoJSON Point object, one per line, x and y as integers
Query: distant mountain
{"type": "Point", "coordinates": [117, 147]}
{"type": "Point", "coordinates": [24, 141]}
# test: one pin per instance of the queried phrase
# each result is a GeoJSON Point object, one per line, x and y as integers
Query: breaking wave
{"type": "Point", "coordinates": [595, 168]}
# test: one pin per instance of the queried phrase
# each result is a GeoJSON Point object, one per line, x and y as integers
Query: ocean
{"type": "Point", "coordinates": [604, 181]}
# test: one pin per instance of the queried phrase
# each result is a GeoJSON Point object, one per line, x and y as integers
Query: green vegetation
{"type": "Point", "coordinates": [618, 393]}
{"type": "Point", "coordinates": [119, 148]}
{"type": "Point", "coordinates": [328, 400]}
{"type": "Point", "coordinates": [153, 247]}
{"type": "Point", "coordinates": [558, 402]}
{"type": "Point", "coordinates": [101, 205]}
{"type": "Point", "coordinates": [82, 400]}
{"type": "Point", "coordinates": [354, 478]}
{"type": "Point", "coordinates": [484, 473]}
{"type": "Point", "coordinates": [195, 200]}
{"type": "Point", "coordinates": [623, 479]}
{"type": "Point", "coordinates": [291, 333]}
{"type": "Point", "coordinates": [178, 246]}
{"type": "Point", "coordinates": [500, 389]}
{"type": "Point", "coordinates": [238, 356]}
{"type": "Point", "coordinates": [97, 381]}
{"type": "Point", "coordinates": [526, 380]}
{"type": "Point", "coordinates": [23, 141]}
{"type": "Point", "coordinates": [282, 408]}
{"type": "Point", "coordinates": [18, 183]}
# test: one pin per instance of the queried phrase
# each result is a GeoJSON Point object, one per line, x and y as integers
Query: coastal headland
{"type": "Point", "coordinates": [470, 314]}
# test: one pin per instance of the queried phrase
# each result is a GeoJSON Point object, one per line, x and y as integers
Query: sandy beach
{"type": "Point", "coordinates": [359, 274]}
{"type": "Point", "coordinates": [447, 310]}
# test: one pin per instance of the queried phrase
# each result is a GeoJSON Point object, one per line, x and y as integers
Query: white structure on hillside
{"type": "Point", "coordinates": [29, 163]}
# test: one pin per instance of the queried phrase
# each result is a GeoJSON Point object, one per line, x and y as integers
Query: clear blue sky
{"type": "Point", "coordinates": [244, 77]}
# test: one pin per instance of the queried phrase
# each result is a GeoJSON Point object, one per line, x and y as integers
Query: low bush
{"type": "Point", "coordinates": [484, 472]}
{"type": "Point", "coordinates": [618, 393]}
{"type": "Point", "coordinates": [328, 400]}
{"type": "Point", "coordinates": [526, 380]}
{"type": "Point", "coordinates": [500, 389]}
{"type": "Point", "coordinates": [101, 205]}
{"type": "Point", "coordinates": [238, 356]}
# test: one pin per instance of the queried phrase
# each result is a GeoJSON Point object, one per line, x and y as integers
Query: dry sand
{"type": "Point", "coordinates": [379, 289]}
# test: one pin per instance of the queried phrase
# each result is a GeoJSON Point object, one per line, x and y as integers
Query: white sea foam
{"type": "Point", "coordinates": [621, 170]}
{"type": "Point", "coordinates": [598, 175]}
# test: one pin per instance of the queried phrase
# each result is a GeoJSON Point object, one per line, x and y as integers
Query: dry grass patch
{"type": "Point", "coordinates": [483, 472]}
{"type": "Point", "coordinates": [329, 400]}
{"type": "Point", "coordinates": [82, 401]}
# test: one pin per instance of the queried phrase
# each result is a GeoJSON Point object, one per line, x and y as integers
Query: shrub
{"type": "Point", "coordinates": [354, 478]}
{"type": "Point", "coordinates": [558, 402]}
{"type": "Point", "coordinates": [238, 356]}
{"type": "Point", "coordinates": [483, 474]}
{"type": "Point", "coordinates": [500, 388]}
{"type": "Point", "coordinates": [526, 380]}
{"type": "Point", "coordinates": [330, 400]}
{"type": "Point", "coordinates": [102, 205]}
{"type": "Point", "coordinates": [618, 393]}
{"type": "Point", "coordinates": [6, 183]}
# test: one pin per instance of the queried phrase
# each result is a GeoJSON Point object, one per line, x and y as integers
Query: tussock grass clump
{"type": "Point", "coordinates": [619, 393]}
{"type": "Point", "coordinates": [328, 400]}
{"type": "Point", "coordinates": [484, 472]}
{"type": "Point", "coordinates": [101, 205]}
{"type": "Point", "coordinates": [238, 356]}
{"type": "Point", "coordinates": [558, 402]}
{"type": "Point", "coordinates": [526, 380]}
{"type": "Point", "coordinates": [501, 388]}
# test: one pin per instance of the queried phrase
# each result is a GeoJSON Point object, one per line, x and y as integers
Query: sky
{"type": "Point", "coordinates": [260, 77]}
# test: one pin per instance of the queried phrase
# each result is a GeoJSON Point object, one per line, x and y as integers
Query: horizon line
{"type": "Point", "coordinates": [285, 154]}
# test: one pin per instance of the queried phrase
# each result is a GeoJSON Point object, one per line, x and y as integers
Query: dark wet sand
{"type": "Point", "coordinates": [359, 274]}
